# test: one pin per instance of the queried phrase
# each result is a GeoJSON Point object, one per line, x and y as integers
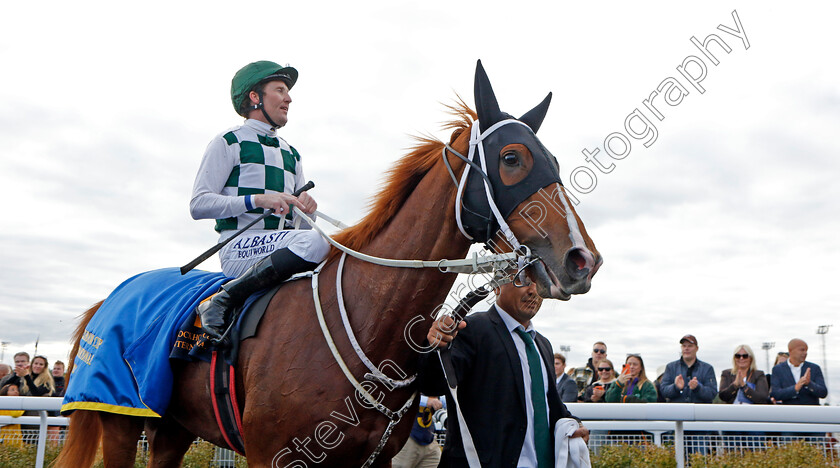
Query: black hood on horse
{"type": "Point", "coordinates": [477, 215]}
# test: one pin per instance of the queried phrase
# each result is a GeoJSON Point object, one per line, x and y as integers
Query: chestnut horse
{"type": "Point", "coordinates": [298, 406]}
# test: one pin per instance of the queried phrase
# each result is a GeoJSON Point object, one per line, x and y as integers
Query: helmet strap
{"type": "Point", "coordinates": [261, 107]}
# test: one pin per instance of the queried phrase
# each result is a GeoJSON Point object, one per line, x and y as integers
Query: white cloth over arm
{"type": "Point", "coordinates": [569, 452]}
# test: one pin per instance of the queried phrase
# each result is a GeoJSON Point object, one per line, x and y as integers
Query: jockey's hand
{"type": "Point", "coordinates": [309, 204]}
{"type": "Point", "coordinates": [443, 331]}
{"type": "Point", "coordinates": [280, 202]}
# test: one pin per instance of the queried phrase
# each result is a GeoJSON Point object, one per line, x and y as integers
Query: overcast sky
{"type": "Point", "coordinates": [723, 226]}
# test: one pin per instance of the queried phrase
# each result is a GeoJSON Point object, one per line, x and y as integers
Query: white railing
{"type": "Point", "coordinates": [656, 418]}
{"type": "Point", "coordinates": [660, 417]}
{"type": "Point", "coordinates": [41, 405]}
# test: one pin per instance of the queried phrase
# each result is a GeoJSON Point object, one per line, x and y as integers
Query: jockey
{"type": "Point", "coordinates": [247, 169]}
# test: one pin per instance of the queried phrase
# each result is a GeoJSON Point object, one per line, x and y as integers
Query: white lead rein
{"type": "Point", "coordinates": [474, 264]}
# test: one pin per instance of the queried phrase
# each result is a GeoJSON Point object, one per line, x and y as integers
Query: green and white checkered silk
{"type": "Point", "coordinates": [265, 165]}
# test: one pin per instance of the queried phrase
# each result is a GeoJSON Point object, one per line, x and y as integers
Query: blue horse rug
{"type": "Point", "coordinates": [122, 365]}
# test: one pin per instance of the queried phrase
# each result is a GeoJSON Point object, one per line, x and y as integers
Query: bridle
{"type": "Point", "coordinates": [482, 207]}
{"type": "Point", "coordinates": [487, 264]}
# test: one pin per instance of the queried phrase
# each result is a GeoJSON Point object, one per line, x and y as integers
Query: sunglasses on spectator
{"type": "Point", "coordinates": [742, 356]}
{"type": "Point", "coordinates": [601, 351]}
{"type": "Point", "coordinates": [604, 369]}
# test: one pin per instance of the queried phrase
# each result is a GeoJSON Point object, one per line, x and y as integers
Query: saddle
{"type": "Point", "coordinates": [193, 344]}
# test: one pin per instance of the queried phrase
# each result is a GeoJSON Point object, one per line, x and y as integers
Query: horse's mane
{"type": "Point", "coordinates": [402, 179]}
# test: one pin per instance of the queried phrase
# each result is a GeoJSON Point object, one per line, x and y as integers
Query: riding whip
{"type": "Point", "coordinates": [210, 252]}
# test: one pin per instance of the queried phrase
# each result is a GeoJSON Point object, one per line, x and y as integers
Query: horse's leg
{"type": "Point", "coordinates": [168, 442]}
{"type": "Point", "coordinates": [119, 440]}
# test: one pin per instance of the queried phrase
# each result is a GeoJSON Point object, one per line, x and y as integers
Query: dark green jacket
{"type": "Point", "coordinates": [616, 393]}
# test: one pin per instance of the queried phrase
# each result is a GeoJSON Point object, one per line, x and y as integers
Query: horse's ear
{"type": "Point", "coordinates": [486, 105]}
{"type": "Point", "coordinates": [534, 117]}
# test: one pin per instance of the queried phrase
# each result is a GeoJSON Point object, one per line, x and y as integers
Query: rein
{"type": "Point", "coordinates": [472, 265]}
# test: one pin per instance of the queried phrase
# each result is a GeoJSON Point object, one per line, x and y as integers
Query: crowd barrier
{"type": "Point", "coordinates": [657, 420]}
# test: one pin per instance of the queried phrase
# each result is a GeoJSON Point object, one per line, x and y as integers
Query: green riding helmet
{"type": "Point", "coordinates": [253, 74]}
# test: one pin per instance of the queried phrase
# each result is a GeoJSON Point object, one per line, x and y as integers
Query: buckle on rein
{"type": "Point", "coordinates": [482, 264]}
{"type": "Point", "coordinates": [497, 264]}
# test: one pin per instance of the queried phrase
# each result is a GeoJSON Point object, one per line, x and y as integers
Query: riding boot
{"type": "Point", "coordinates": [269, 271]}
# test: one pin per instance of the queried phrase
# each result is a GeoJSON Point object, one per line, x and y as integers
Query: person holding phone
{"type": "Point", "coordinates": [21, 370]}
{"type": "Point", "coordinates": [594, 393]}
{"type": "Point", "coordinates": [632, 386]}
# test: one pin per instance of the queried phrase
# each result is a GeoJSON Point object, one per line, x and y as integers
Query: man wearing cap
{"type": "Point", "coordinates": [688, 379]}
{"type": "Point", "coordinates": [245, 170]}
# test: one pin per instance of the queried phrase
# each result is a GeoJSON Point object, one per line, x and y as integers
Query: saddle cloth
{"type": "Point", "coordinates": [122, 365]}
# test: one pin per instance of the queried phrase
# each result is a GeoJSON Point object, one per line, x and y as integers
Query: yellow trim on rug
{"type": "Point", "coordinates": [95, 406]}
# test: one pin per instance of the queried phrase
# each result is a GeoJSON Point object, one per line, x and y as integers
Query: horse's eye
{"type": "Point", "coordinates": [510, 158]}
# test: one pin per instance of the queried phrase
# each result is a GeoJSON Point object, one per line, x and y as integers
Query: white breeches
{"type": "Point", "coordinates": [252, 246]}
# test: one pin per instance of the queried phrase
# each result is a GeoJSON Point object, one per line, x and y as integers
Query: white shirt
{"type": "Point", "coordinates": [796, 371]}
{"type": "Point", "coordinates": [528, 456]}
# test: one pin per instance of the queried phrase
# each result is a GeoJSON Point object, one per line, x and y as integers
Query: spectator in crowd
{"type": "Point", "coordinates": [632, 385]}
{"type": "Point", "coordinates": [688, 379]}
{"type": "Point", "coordinates": [743, 384]}
{"type": "Point", "coordinates": [21, 369]}
{"type": "Point", "coordinates": [58, 378]}
{"type": "Point", "coordinates": [797, 381]}
{"type": "Point", "coordinates": [660, 372]}
{"type": "Point", "coordinates": [421, 450]}
{"type": "Point", "coordinates": [594, 393]}
{"type": "Point", "coordinates": [566, 386]}
{"type": "Point", "coordinates": [586, 375]}
{"type": "Point", "coordinates": [781, 356]}
{"type": "Point", "coordinates": [54, 432]}
{"type": "Point", "coordinates": [522, 392]}
{"type": "Point", "coordinates": [5, 370]}
{"type": "Point", "coordinates": [38, 382]}
{"type": "Point", "coordinates": [10, 435]}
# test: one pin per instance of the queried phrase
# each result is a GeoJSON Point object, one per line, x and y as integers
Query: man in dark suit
{"type": "Point", "coordinates": [566, 386]}
{"type": "Point", "coordinates": [797, 381]}
{"type": "Point", "coordinates": [496, 357]}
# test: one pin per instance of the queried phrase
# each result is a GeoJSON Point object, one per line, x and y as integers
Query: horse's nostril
{"type": "Point", "coordinates": [576, 257]}
{"type": "Point", "coordinates": [578, 263]}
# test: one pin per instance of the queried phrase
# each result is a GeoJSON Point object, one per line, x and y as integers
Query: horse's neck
{"type": "Point", "coordinates": [385, 299]}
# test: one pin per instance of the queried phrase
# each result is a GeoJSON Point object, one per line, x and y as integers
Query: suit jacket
{"type": "Point", "coordinates": [783, 386]}
{"type": "Point", "coordinates": [728, 390]}
{"type": "Point", "coordinates": [490, 391]}
{"type": "Point", "coordinates": [567, 389]}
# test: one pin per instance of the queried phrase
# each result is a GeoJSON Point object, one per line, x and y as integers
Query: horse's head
{"type": "Point", "coordinates": [512, 195]}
